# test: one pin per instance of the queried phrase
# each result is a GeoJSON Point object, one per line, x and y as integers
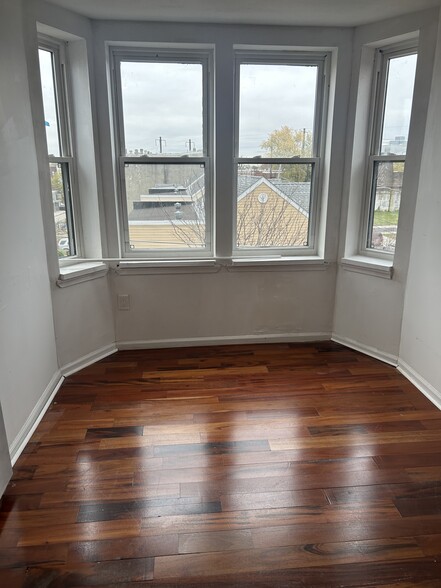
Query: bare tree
{"type": "Point", "coordinates": [273, 223]}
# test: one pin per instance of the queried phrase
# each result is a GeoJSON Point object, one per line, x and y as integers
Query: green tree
{"type": "Point", "coordinates": [287, 142]}
{"type": "Point", "coordinates": [57, 181]}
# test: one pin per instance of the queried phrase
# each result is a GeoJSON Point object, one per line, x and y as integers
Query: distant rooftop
{"type": "Point", "coordinates": [161, 203]}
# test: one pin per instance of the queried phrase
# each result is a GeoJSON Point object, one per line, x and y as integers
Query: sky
{"type": "Point", "coordinates": [50, 113]}
{"type": "Point", "coordinates": [399, 97]}
{"type": "Point", "coordinates": [165, 100]}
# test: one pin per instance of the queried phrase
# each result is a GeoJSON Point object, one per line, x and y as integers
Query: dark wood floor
{"type": "Point", "coordinates": [267, 465]}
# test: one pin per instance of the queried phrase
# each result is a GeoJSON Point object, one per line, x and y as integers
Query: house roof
{"type": "Point", "coordinates": [298, 193]}
{"type": "Point", "coordinates": [160, 208]}
{"type": "Point", "coordinates": [163, 211]}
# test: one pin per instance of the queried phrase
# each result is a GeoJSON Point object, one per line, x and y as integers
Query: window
{"type": "Point", "coordinates": [164, 151]}
{"type": "Point", "coordinates": [280, 100]}
{"type": "Point", "coordinates": [390, 131]}
{"type": "Point", "coordinates": [59, 144]}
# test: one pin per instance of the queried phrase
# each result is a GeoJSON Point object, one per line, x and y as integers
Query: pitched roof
{"type": "Point", "coordinates": [298, 193]}
{"type": "Point", "coordinates": [155, 210]}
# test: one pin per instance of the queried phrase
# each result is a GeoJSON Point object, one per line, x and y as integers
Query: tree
{"type": "Point", "coordinates": [273, 223]}
{"type": "Point", "coordinates": [57, 181]}
{"type": "Point", "coordinates": [287, 142]}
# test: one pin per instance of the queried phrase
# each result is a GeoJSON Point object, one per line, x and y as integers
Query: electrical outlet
{"type": "Point", "coordinates": [123, 302]}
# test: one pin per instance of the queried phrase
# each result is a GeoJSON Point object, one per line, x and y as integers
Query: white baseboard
{"type": "Point", "coordinates": [35, 417]}
{"type": "Point", "coordinates": [227, 340]}
{"type": "Point", "coordinates": [86, 360]}
{"type": "Point", "coordinates": [367, 350]}
{"type": "Point", "coordinates": [52, 388]}
{"type": "Point", "coordinates": [423, 385]}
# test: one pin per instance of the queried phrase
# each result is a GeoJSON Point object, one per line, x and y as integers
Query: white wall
{"type": "Point", "coordinates": [84, 304]}
{"type": "Point", "coordinates": [28, 359]}
{"type": "Point", "coordinates": [225, 306]}
{"type": "Point", "coordinates": [420, 351]}
{"type": "Point", "coordinates": [368, 309]}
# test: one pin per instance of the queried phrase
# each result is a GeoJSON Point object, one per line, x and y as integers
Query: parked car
{"type": "Point", "coordinates": [63, 244]}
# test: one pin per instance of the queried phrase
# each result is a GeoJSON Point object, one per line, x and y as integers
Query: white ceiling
{"type": "Point", "coordinates": [287, 12]}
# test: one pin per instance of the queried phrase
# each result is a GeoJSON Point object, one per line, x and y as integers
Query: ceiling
{"type": "Point", "coordinates": [286, 12]}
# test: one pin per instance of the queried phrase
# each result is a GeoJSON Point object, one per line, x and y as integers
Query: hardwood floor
{"type": "Point", "coordinates": [258, 465]}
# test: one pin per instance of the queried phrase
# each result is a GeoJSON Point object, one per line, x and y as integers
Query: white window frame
{"type": "Point", "coordinates": [322, 60]}
{"type": "Point", "coordinates": [66, 160]}
{"type": "Point", "coordinates": [154, 54]}
{"type": "Point", "coordinates": [383, 56]}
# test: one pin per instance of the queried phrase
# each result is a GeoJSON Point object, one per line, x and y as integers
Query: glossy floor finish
{"type": "Point", "coordinates": [259, 465]}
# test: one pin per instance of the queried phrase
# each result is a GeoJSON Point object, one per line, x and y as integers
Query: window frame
{"type": "Point", "coordinates": [382, 59]}
{"type": "Point", "coordinates": [322, 60]}
{"type": "Point", "coordinates": [154, 54]}
{"type": "Point", "coordinates": [66, 160]}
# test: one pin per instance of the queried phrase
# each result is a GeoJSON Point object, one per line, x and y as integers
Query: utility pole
{"type": "Point", "coordinates": [161, 142]}
{"type": "Point", "coordinates": [191, 145]}
{"type": "Point", "coordinates": [303, 142]}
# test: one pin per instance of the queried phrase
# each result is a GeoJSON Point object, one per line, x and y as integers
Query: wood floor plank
{"type": "Point", "coordinates": [300, 556]}
{"type": "Point", "coordinates": [306, 465]}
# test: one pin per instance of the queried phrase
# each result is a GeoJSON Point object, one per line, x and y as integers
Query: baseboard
{"type": "Point", "coordinates": [86, 360]}
{"type": "Point", "coordinates": [35, 417]}
{"type": "Point", "coordinates": [423, 385]}
{"type": "Point", "coordinates": [367, 350]}
{"type": "Point", "coordinates": [227, 340]}
{"type": "Point", "coordinates": [52, 388]}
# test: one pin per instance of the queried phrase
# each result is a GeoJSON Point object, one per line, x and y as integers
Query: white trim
{"type": "Point", "coordinates": [423, 385]}
{"type": "Point", "coordinates": [81, 272]}
{"type": "Point", "coordinates": [86, 360]}
{"type": "Point", "coordinates": [225, 340]}
{"type": "Point", "coordinates": [306, 263]}
{"type": "Point", "coordinates": [381, 268]}
{"type": "Point", "coordinates": [367, 350]}
{"type": "Point", "coordinates": [164, 266]}
{"type": "Point", "coordinates": [33, 420]}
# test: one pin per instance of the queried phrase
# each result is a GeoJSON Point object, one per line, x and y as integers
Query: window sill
{"type": "Point", "coordinates": [81, 272]}
{"type": "Point", "coordinates": [181, 266]}
{"type": "Point", "coordinates": [304, 263]}
{"type": "Point", "coordinates": [215, 265]}
{"type": "Point", "coordinates": [381, 268]}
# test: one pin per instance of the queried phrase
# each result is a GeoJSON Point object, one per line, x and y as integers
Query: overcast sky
{"type": "Point", "coordinates": [165, 100]}
{"type": "Point", "coordinates": [50, 113]}
{"type": "Point", "coordinates": [399, 97]}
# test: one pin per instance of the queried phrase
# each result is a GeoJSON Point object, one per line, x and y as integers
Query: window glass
{"type": "Point", "coordinates": [389, 148]}
{"type": "Point", "coordinates": [165, 205]}
{"type": "Point", "coordinates": [58, 143]}
{"type": "Point", "coordinates": [398, 105]}
{"type": "Point", "coordinates": [273, 205]}
{"type": "Point", "coordinates": [162, 108]}
{"type": "Point", "coordinates": [388, 182]}
{"type": "Point", "coordinates": [49, 102]}
{"type": "Point", "coordinates": [277, 106]}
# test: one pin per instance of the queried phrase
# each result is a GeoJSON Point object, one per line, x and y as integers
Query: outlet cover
{"type": "Point", "coordinates": [123, 302]}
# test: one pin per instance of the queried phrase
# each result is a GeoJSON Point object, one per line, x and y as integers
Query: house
{"type": "Point", "coordinates": [321, 275]}
{"type": "Point", "coordinates": [171, 215]}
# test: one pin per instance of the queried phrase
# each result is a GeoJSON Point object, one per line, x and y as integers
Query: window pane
{"type": "Point", "coordinates": [62, 209]}
{"type": "Point", "coordinates": [162, 108]}
{"type": "Point", "coordinates": [49, 102]}
{"type": "Point", "coordinates": [277, 105]}
{"type": "Point", "coordinates": [273, 203]}
{"type": "Point", "coordinates": [386, 205]}
{"type": "Point", "coordinates": [165, 205]}
{"type": "Point", "coordinates": [398, 106]}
